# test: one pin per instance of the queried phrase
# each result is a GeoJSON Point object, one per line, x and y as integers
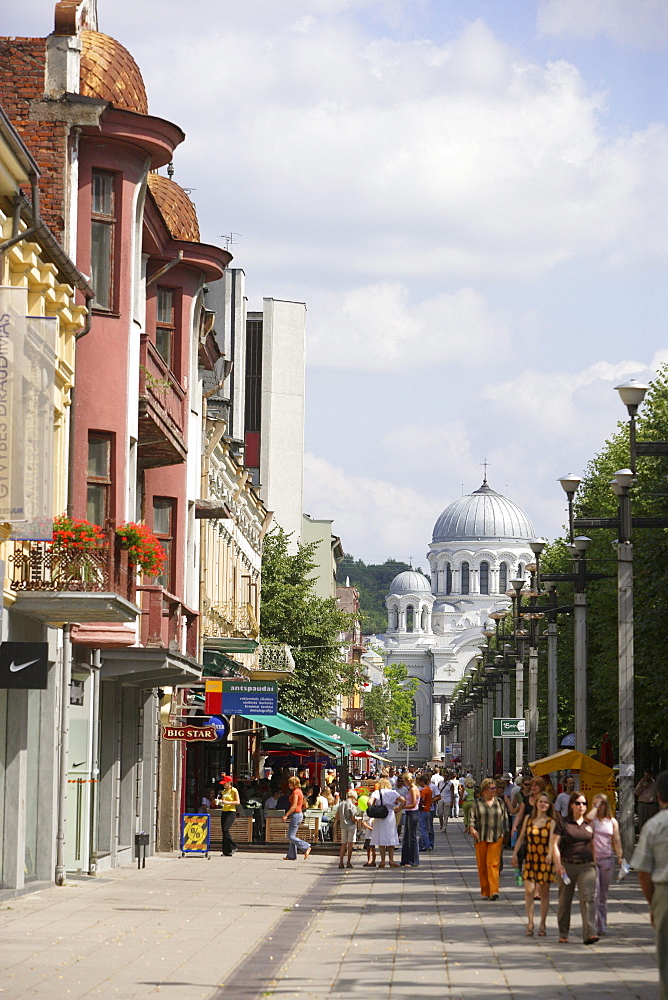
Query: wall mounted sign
{"type": "Point", "coordinates": [250, 697]}
{"type": "Point", "coordinates": [190, 734]}
{"type": "Point", "coordinates": [24, 665]}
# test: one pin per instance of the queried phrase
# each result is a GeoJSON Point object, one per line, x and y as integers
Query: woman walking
{"type": "Point", "coordinates": [294, 817]}
{"type": "Point", "coordinates": [384, 834]}
{"type": "Point", "coordinates": [488, 825]}
{"type": "Point", "coordinates": [606, 842]}
{"type": "Point", "coordinates": [538, 872]}
{"type": "Point", "coordinates": [410, 849]}
{"type": "Point", "coordinates": [230, 800]}
{"type": "Point", "coordinates": [574, 856]}
{"type": "Point", "coordinates": [467, 800]}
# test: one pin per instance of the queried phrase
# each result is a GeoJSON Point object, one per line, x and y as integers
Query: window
{"type": "Point", "coordinates": [98, 500]}
{"type": "Point", "coordinates": [520, 571]}
{"type": "Point", "coordinates": [102, 238]}
{"type": "Point", "coordinates": [163, 529]}
{"type": "Point", "coordinates": [410, 618]}
{"type": "Point", "coordinates": [448, 579]}
{"type": "Point", "coordinates": [164, 325]}
{"type": "Point", "coordinates": [465, 579]}
{"type": "Point", "coordinates": [503, 578]}
{"type": "Point", "coordinates": [424, 620]}
{"type": "Point", "coordinates": [484, 578]}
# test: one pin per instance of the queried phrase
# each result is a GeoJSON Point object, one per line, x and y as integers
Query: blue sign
{"type": "Point", "coordinates": [221, 725]}
{"type": "Point", "coordinates": [250, 697]}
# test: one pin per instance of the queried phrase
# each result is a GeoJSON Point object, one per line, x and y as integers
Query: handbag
{"type": "Point", "coordinates": [377, 810]}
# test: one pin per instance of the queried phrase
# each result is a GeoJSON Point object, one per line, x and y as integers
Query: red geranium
{"type": "Point", "coordinates": [143, 547]}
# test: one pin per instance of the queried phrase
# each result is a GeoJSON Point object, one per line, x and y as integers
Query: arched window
{"type": "Point", "coordinates": [410, 618]}
{"type": "Point", "coordinates": [423, 619]}
{"type": "Point", "coordinates": [520, 570]}
{"type": "Point", "coordinates": [448, 579]}
{"type": "Point", "coordinates": [465, 578]}
{"type": "Point", "coordinates": [394, 618]}
{"type": "Point", "coordinates": [503, 578]}
{"type": "Point", "coordinates": [484, 578]}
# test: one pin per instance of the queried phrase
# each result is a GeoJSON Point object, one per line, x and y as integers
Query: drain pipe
{"type": "Point", "coordinates": [66, 678]}
{"type": "Point", "coordinates": [96, 663]}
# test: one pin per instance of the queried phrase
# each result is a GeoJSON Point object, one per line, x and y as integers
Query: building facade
{"type": "Point", "coordinates": [435, 626]}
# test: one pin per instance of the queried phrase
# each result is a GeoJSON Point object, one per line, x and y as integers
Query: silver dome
{"type": "Point", "coordinates": [483, 514]}
{"type": "Point", "coordinates": [410, 582]}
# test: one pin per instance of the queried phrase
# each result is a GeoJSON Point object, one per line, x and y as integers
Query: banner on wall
{"type": "Point", "coordinates": [27, 377]}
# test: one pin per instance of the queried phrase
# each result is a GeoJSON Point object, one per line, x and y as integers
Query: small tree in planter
{"type": "Point", "coordinates": [144, 550]}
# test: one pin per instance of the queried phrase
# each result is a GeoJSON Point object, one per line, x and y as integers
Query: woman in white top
{"type": "Point", "coordinates": [606, 843]}
{"type": "Point", "coordinates": [384, 833]}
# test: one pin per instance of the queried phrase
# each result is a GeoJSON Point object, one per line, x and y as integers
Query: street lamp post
{"type": "Point", "coordinates": [552, 646]}
{"type": "Point", "coordinates": [579, 550]}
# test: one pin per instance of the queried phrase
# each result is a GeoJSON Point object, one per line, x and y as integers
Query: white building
{"type": "Point", "coordinates": [480, 542]}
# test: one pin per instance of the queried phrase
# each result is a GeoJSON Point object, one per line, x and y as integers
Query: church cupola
{"type": "Point", "coordinates": [409, 604]}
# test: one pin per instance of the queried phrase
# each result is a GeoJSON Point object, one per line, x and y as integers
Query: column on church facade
{"type": "Point", "coordinates": [474, 580]}
{"type": "Point", "coordinates": [436, 720]}
{"type": "Point", "coordinates": [401, 620]}
{"type": "Point", "coordinates": [455, 581]}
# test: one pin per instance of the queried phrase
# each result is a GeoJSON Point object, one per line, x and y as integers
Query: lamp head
{"type": "Point", "coordinates": [632, 394]}
{"type": "Point", "coordinates": [537, 545]}
{"type": "Point", "coordinates": [517, 585]}
{"type": "Point", "coordinates": [582, 543]}
{"type": "Point", "coordinates": [624, 478]}
{"type": "Point", "coordinates": [569, 485]}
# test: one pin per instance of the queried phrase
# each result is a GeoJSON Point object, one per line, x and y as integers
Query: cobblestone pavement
{"type": "Point", "coordinates": [255, 926]}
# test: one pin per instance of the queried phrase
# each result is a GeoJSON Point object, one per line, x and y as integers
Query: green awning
{"type": "Point", "coordinates": [345, 735]}
{"type": "Point", "coordinates": [311, 737]}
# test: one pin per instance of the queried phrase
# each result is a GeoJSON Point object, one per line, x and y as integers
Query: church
{"type": "Point", "coordinates": [479, 544]}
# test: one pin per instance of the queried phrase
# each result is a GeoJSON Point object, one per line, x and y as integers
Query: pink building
{"type": "Point", "coordinates": [79, 98]}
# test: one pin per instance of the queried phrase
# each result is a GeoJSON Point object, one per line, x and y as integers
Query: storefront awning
{"type": "Point", "coordinates": [337, 732]}
{"type": "Point", "coordinates": [146, 667]}
{"type": "Point", "coordinates": [294, 727]}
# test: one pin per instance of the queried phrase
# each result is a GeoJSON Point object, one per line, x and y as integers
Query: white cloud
{"type": "Point", "coordinates": [638, 23]}
{"type": "Point", "coordinates": [330, 146]}
{"type": "Point", "coordinates": [376, 518]}
{"type": "Point", "coordinates": [376, 328]}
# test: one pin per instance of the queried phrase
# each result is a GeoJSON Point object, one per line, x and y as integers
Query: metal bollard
{"type": "Point", "coordinates": [141, 843]}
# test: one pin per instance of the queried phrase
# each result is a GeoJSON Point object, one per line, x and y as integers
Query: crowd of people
{"type": "Point", "coordinates": [554, 834]}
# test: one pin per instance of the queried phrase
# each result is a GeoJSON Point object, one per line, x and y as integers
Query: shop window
{"type": "Point", "coordinates": [484, 578]}
{"type": "Point", "coordinates": [503, 578]}
{"type": "Point", "coordinates": [103, 222]}
{"type": "Point", "coordinates": [465, 579]}
{"type": "Point", "coordinates": [165, 331]}
{"type": "Point", "coordinates": [163, 529]}
{"type": "Point", "coordinates": [98, 499]}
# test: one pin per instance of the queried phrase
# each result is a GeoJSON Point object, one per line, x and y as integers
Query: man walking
{"type": "Point", "coordinates": [650, 859]}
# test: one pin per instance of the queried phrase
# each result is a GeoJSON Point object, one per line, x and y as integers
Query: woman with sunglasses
{"type": "Point", "coordinates": [574, 854]}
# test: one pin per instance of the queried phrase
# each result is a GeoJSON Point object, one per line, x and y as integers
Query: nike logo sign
{"type": "Point", "coordinates": [14, 667]}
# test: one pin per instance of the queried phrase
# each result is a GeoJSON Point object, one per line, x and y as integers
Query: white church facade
{"type": "Point", "coordinates": [480, 543]}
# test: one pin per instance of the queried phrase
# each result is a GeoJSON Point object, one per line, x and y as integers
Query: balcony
{"type": "Point", "coordinates": [167, 623]}
{"type": "Point", "coordinates": [162, 411]}
{"type": "Point", "coordinates": [354, 717]}
{"type": "Point", "coordinates": [273, 662]}
{"type": "Point", "coordinates": [56, 585]}
{"type": "Point", "coordinates": [229, 620]}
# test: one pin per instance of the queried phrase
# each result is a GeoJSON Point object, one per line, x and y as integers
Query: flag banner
{"type": "Point", "coordinates": [27, 377]}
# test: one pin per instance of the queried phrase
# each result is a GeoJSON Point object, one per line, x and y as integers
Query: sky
{"type": "Point", "coordinates": [469, 195]}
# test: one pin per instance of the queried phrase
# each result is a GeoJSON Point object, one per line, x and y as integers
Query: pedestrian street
{"type": "Point", "coordinates": [254, 926]}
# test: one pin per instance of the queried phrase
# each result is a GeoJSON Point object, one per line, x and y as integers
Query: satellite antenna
{"type": "Point", "coordinates": [229, 239]}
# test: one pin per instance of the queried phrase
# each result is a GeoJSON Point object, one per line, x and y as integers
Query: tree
{"type": "Point", "coordinates": [389, 706]}
{"type": "Point", "coordinates": [291, 613]}
{"type": "Point", "coordinates": [595, 499]}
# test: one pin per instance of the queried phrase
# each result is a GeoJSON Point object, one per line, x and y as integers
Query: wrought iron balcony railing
{"type": "Point", "coordinates": [43, 566]}
{"type": "Point", "coordinates": [275, 657]}
{"type": "Point", "coordinates": [230, 620]}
